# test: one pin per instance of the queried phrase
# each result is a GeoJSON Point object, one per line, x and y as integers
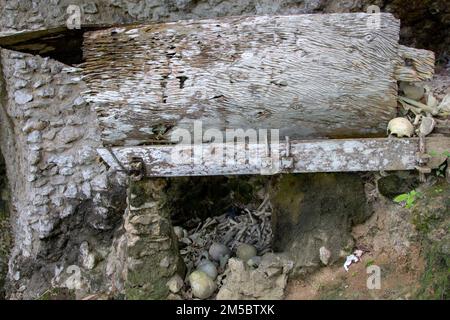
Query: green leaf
{"type": "Point", "coordinates": [409, 202]}
{"type": "Point", "coordinates": [369, 263]}
{"type": "Point", "coordinates": [401, 198]}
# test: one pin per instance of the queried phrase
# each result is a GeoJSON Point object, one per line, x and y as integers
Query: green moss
{"type": "Point", "coordinates": [436, 278]}
{"type": "Point", "coordinates": [155, 242]}
{"type": "Point", "coordinates": [431, 217]}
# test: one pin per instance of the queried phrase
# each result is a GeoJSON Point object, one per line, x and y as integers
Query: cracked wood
{"type": "Point", "coordinates": [311, 76]}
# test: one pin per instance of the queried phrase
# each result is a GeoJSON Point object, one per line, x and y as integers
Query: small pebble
{"type": "Point", "coordinates": [175, 284]}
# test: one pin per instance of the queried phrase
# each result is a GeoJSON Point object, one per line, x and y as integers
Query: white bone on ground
{"type": "Point", "coordinates": [350, 259]}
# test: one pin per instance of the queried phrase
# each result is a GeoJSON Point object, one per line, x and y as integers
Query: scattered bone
{"type": "Point", "coordinates": [324, 255]}
{"type": "Point", "coordinates": [208, 246]}
{"type": "Point", "coordinates": [427, 125]}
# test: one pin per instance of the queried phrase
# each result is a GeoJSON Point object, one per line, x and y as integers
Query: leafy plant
{"type": "Point", "coordinates": [369, 263]}
{"type": "Point", "coordinates": [440, 171]}
{"type": "Point", "coordinates": [408, 198]}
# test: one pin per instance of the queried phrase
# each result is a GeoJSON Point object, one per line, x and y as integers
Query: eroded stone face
{"type": "Point", "coordinates": [311, 211]}
{"type": "Point", "coordinates": [153, 257]}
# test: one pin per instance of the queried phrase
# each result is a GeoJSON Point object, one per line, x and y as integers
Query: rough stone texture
{"type": "Point", "coordinates": [5, 240]}
{"type": "Point", "coordinates": [152, 247]}
{"type": "Point", "coordinates": [315, 210]}
{"type": "Point", "coordinates": [266, 282]}
{"type": "Point", "coordinates": [419, 17]}
{"type": "Point", "coordinates": [62, 196]}
{"type": "Point", "coordinates": [38, 14]}
{"type": "Point", "coordinates": [431, 218]}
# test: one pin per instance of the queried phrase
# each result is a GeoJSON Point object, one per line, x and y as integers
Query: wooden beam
{"type": "Point", "coordinates": [311, 76]}
{"type": "Point", "coordinates": [336, 155]}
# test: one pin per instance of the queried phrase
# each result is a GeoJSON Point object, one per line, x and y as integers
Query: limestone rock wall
{"type": "Point", "coordinates": [61, 194]}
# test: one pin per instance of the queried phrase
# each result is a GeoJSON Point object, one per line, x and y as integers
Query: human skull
{"type": "Point", "coordinates": [217, 251]}
{"type": "Point", "coordinates": [202, 285]}
{"type": "Point", "coordinates": [209, 268]}
{"type": "Point", "coordinates": [400, 127]}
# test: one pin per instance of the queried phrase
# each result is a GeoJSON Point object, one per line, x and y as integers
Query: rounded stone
{"type": "Point", "coordinates": [209, 268]}
{"type": "Point", "coordinates": [324, 255]}
{"type": "Point", "coordinates": [217, 251]}
{"type": "Point", "coordinates": [202, 285]}
{"type": "Point", "coordinates": [179, 232]}
{"type": "Point", "coordinates": [245, 252]}
{"type": "Point", "coordinates": [175, 284]}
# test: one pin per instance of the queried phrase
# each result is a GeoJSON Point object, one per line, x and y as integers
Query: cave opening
{"type": "Point", "coordinates": [61, 44]}
{"type": "Point", "coordinates": [229, 210]}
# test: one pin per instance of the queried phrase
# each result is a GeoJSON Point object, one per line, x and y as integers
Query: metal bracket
{"type": "Point", "coordinates": [287, 162]}
{"type": "Point", "coordinates": [422, 159]}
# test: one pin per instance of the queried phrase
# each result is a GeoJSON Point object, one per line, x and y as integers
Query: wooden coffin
{"type": "Point", "coordinates": [310, 76]}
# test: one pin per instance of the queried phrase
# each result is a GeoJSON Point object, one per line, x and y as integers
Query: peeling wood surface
{"type": "Point", "coordinates": [334, 155]}
{"type": "Point", "coordinates": [421, 64]}
{"type": "Point", "coordinates": [311, 76]}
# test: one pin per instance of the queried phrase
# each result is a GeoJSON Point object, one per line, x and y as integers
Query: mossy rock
{"type": "Point", "coordinates": [394, 185]}
{"type": "Point", "coordinates": [431, 217]}
{"type": "Point", "coordinates": [314, 210]}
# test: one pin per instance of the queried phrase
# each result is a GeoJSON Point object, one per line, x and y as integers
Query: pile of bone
{"type": "Point", "coordinates": [422, 111]}
{"type": "Point", "coordinates": [207, 248]}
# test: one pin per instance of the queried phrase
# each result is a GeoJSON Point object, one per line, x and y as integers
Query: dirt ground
{"type": "Point", "coordinates": [399, 280]}
{"type": "Point", "coordinates": [390, 238]}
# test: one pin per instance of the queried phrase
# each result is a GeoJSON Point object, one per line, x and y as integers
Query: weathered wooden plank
{"type": "Point", "coordinates": [334, 155]}
{"type": "Point", "coordinates": [310, 76]}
